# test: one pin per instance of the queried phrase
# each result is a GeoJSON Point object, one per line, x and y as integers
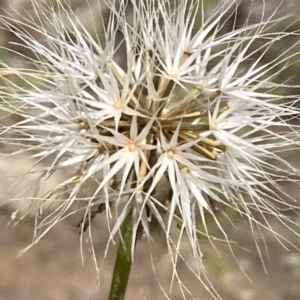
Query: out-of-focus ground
{"type": "Point", "coordinates": [53, 268]}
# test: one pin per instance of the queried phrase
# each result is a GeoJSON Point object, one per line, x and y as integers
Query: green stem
{"type": "Point", "coordinates": [123, 262]}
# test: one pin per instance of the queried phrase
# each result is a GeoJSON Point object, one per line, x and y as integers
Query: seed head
{"type": "Point", "coordinates": [197, 112]}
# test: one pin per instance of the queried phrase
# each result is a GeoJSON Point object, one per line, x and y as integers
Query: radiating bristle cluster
{"type": "Point", "coordinates": [188, 114]}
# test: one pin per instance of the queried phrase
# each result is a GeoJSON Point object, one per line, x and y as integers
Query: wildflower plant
{"type": "Point", "coordinates": [188, 122]}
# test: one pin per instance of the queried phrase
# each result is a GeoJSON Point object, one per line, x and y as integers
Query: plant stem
{"type": "Point", "coordinates": [123, 262]}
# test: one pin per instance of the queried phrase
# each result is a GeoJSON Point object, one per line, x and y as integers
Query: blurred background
{"type": "Point", "coordinates": [53, 268]}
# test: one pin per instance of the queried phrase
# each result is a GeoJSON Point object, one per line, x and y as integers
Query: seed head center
{"type": "Point", "coordinates": [118, 104]}
{"type": "Point", "coordinates": [174, 76]}
{"type": "Point", "coordinates": [132, 146]}
{"type": "Point", "coordinates": [214, 125]}
{"type": "Point", "coordinates": [171, 154]}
